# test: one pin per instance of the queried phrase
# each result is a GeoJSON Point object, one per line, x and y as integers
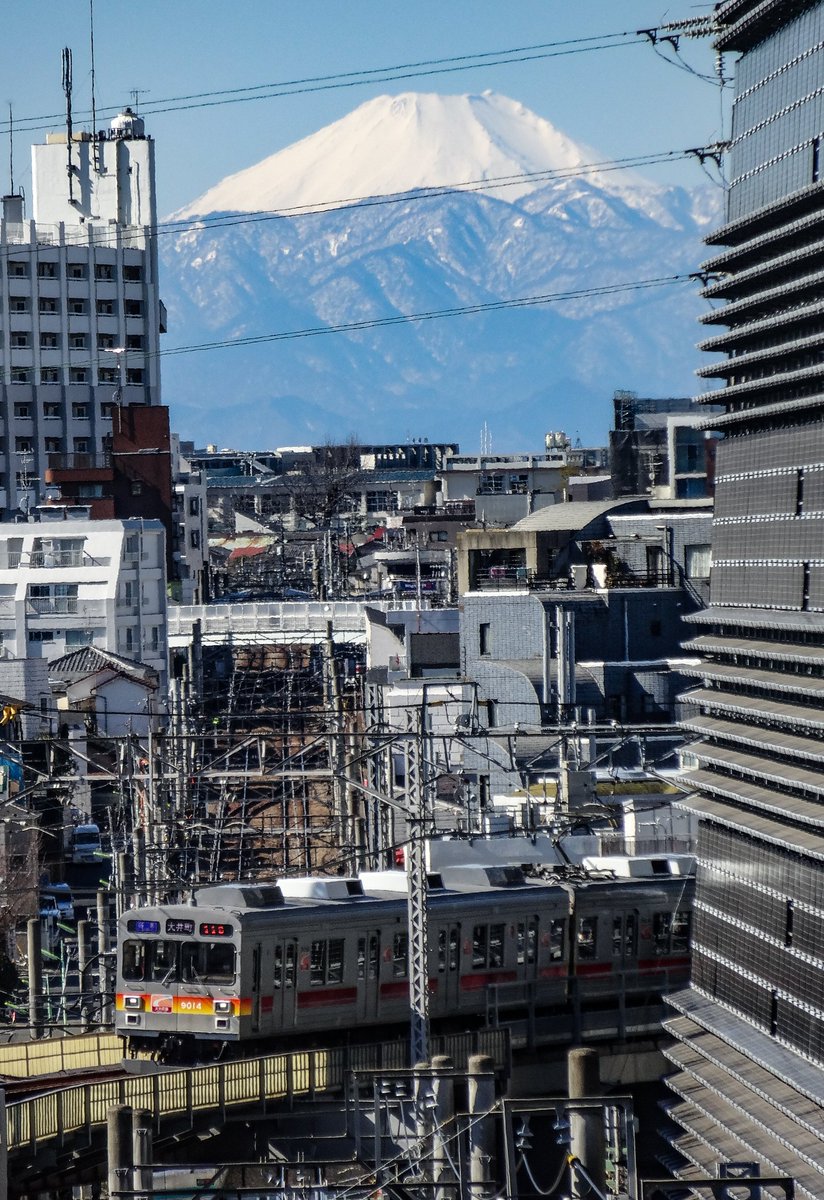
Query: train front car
{"type": "Point", "coordinates": [179, 977]}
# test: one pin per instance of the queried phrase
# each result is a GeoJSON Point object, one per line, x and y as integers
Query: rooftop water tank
{"type": "Point", "coordinates": [127, 124]}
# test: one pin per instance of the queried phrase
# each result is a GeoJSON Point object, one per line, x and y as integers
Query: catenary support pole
{"type": "Point", "coordinates": [84, 972]}
{"type": "Point", "coordinates": [119, 1148]}
{"type": "Point", "coordinates": [34, 950]}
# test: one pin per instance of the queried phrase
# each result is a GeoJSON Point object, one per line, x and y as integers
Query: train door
{"type": "Point", "coordinates": [256, 964]}
{"type": "Point", "coordinates": [448, 995]}
{"type": "Point", "coordinates": [285, 968]}
{"type": "Point", "coordinates": [369, 970]}
{"type": "Point", "coordinates": [625, 949]}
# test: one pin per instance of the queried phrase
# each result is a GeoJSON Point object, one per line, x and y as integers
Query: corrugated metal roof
{"type": "Point", "coordinates": [770, 800]}
{"type": "Point", "coordinates": [753, 735]}
{"type": "Point", "coordinates": [760, 826]}
{"type": "Point", "coordinates": [577, 514]}
{"type": "Point", "coordinates": [778, 681]}
{"type": "Point", "coordinates": [774, 651]}
{"type": "Point", "coordinates": [758, 618]}
{"type": "Point", "coordinates": [758, 767]}
{"type": "Point", "coordinates": [765, 709]}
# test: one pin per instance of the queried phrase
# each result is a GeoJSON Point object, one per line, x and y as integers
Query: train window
{"type": "Point", "coordinates": [361, 958]}
{"type": "Point", "coordinates": [208, 962]}
{"type": "Point", "coordinates": [631, 936]}
{"type": "Point", "coordinates": [291, 965]}
{"type": "Point", "coordinates": [662, 932]}
{"type": "Point", "coordinates": [454, 949]}
{"type": "Point", "coordinates": [442, 943]}
{"type": "Point", "coordinates": [334, 973]}
{"type": "Point", "coordinates": [557, 937]}
{"type": "Point", "coordinates": [317, 964]}
{"type": "Point", "coordinates": [400, 956]}
{"type": "Point", "coordinates": [134, 960]}
{"type": "Point", "coordinates": [164, 962]}
{"type": "Point", "coordinates": [278, 971]}
{"type": "Point", "coordinates": [526, 940]}
{"type": "Point", "coordinates": [479, 946]}
{"type": "Point", "coordinates": [681, 931]}
{"type": "Point", "coordinates": [587, 937]}
{"type": "Point", "coordinates": [496, 945]}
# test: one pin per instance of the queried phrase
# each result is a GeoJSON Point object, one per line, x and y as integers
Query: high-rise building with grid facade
{"type": "Point", "coordinates": [80, 315]}
{"type": "Point", "coordinates": [749, 1054]}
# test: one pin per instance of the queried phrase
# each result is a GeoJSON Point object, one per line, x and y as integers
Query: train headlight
{"type": "Point", "coordinates": [133, 1002]}
{"type": "Point", "coordinates": [223, 1006]}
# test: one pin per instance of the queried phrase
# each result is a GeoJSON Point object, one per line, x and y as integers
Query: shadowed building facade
{"type": "Point", "coordinates": [749, 1056]}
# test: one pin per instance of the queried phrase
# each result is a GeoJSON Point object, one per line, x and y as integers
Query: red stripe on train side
{"type": "Point", "coordinates": [327, 997]}
{"type": "Point", "coordinates": [679, 961]}
{"type": "Point", "coordinates": [473, 983]}
{"type": "Point", "coordinates": [553, 972]}
{"type": "Point", "coordinates": [593, 968]}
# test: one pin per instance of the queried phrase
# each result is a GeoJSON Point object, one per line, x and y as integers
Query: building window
{"type": "Point", "coordinates": [79, 637]}
{"type": "Point", "coordinates": [131, 547]}
{"type": "Point", "coordinates": [105, 341]}
{"type": "Point", "coordinates": [78, 341]}
{"type": "Point", "coordinates": [134, 341]}
{"type": "Point", "coordinates": [78, 375]}
{"type": "Point", "coordinates": [48, 341]}
{"type": "Point", "coordinates": [20, 375]}
{"type": "Point", "coordinates": [22, 412]}
{"type": "Point", "coordinates": [80, 412]}
{"type": "Point", "coordinates": [49, 375]}
{"type": "Point", "coordinates": [106, 410]}
{"type": "Point", "coordinates": [698, 560]}
{"type": "Point", "coordinates": [438, 535]}
{"type": "Point", "coordinates": [23, 446]}
{"type": "Point", "coordinates": [137, 487]}
{"type": "Point", "coordinates": [19, 340]}
{"type": "Point", "coordinates": [81, 445]}
{"type": "Point", "coordinates": [18, 269]}
{"type": "Point", "coordinates": [54, 445]}
{"type": "Point", "coordinates": [20, 304]}
{"type": "Point", "coordinates": [133, 308]}
{"type": "Point", "coordinates": [194, 506]}
{"type": "Point", "coordinates": [47, 270]}
{"type": "Point", "coordinates": [105, 308]}
{"type": "Point", "coordinates": [103, 271]}
{"type": "Point", "coordinates": [46, 304]}
{"type": "Point", "coordinates": [41, 635]}
{"type": "Point", "coordinates": [77, 307]}
{"type": "Point", "coordinates": [134, 375]}
{"type": "Point", "coordinates": [52, 410]}
{"type": "Point", "coordinates": [133, 274]}
{"type": "Point", "coordinates": [485, 637]}
{"type": "Point", "coordinates": [194, 539]}
{"type": "Point", "coordinates": [76, 270]}
{"type": "Point", "coordinates": [107, 375]}
{"type": "Point", "coordinates": [128, 638]}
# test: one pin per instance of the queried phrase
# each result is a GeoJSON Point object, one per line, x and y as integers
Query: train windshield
{"type": "Point", "coordinates": [164, 962]}
{"type": "Point", "coordinates": [207, 962]}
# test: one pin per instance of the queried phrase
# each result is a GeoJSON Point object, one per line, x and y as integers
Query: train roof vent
{"type": "Point", "coordinates": [307, 888]}
{"type": "Point", "coordinates": [241, 895]}
{"type": "Point", "coordinates": [478, 878]}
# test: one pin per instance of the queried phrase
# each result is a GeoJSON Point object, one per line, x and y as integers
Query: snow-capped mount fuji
{"type": "Point", "coordinates": [410, 142]}
{"type": "Point", "coordinates": [312, 266]}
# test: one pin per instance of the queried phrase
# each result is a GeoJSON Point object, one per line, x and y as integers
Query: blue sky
{"type": "Point", "coordinates": [620, 101]}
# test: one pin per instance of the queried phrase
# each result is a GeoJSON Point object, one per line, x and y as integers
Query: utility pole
{"type": "Point", "coordinates": [416, 799]}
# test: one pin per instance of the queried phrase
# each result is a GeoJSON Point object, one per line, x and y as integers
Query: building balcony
{"type": "Point", "coordinates": [66, 468]}
{"type": "Point", "coordinates": [51, 559]}
{"type": "Point", "coordinates": [70, 606]}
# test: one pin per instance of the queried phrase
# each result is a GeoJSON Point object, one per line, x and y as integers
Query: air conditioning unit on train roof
{"type": "Point", "coordinates": [307, 888]}
{"type": "Point", "coordinates": [240, 895]}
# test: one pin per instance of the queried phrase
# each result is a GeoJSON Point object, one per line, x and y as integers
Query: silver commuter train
{"type": "Point", "coordinates": [248, 962]}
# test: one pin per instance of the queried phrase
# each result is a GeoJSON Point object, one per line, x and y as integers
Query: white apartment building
{"type": "Point", "coordinates": [80, 315]}
{"type": "Point", "coordinates": [74, 582]}
{"type": "Point", "coordinates": [190, 510]}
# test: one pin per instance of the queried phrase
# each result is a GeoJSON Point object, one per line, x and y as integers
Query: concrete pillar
{"type": "Point", "coordinates": [84, 973]}
{"type": "Point", "coordinates": [4, 1147]}
{"type": "Point", "coordinates": [444, 1143]}
{"type": "Point", "coordinates": [34, 949]}
{"type": "Point", "coordinates": [142, 1153]}
{"type": "Point", "coordinates": [481, 1126]}
{"type": "Point", "coordinates": [105, 973]}
{"type": "Point", "coordinates": [586, 1130]}
{"type": "Point", "coordinates": [119, 1148]}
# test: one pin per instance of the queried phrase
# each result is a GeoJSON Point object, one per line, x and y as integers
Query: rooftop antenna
{"type": "Point", "coordinates": [67, 88]}
{"type": "Point", "coordinates": [11, 149]}
{"type": "Point", "coordinates": [486, 439]}
{"type": "Point", "coordinates": [94, 110]}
